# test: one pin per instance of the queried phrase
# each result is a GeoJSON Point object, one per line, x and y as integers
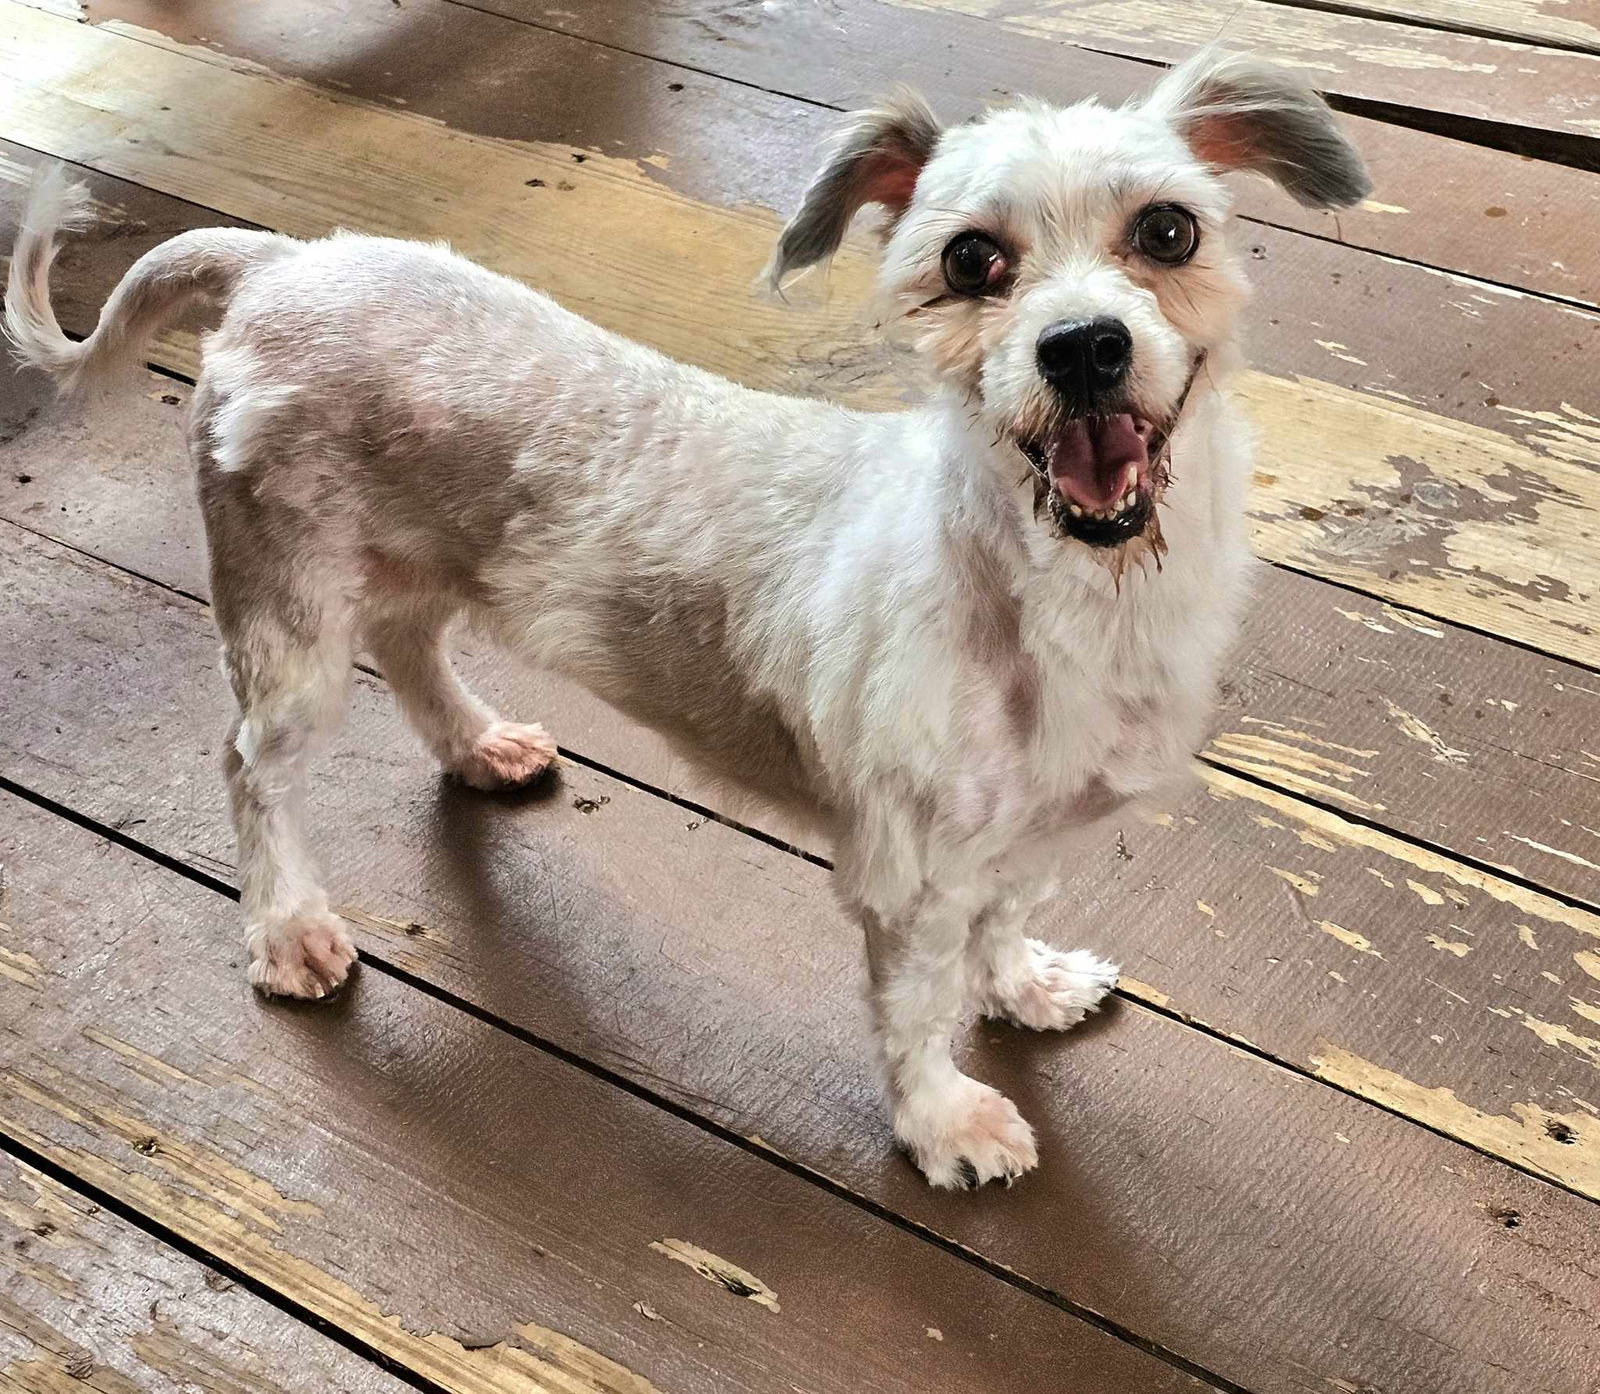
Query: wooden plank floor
{"type": "Point", "coordinates": [597, 1114]}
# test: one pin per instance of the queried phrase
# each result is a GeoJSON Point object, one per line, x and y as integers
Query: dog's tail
{"type": "Point", "coordinates": [168, 283]}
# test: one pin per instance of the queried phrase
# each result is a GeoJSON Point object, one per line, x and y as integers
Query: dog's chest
{"type": "Point", "coordinates": [1067, 738]}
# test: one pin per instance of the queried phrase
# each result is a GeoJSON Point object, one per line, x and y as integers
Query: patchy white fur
{"type": "Point", "coordinates": [856, 618]}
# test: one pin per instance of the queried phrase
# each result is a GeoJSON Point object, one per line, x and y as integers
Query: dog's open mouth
{"type": "Point", "coordinates": [1103, 475]}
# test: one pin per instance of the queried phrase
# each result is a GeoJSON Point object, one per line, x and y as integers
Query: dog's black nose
{"type": "Point", "coordinates": [1085, 357]}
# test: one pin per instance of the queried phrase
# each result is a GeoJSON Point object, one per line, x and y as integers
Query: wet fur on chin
{"type": "Point", "coordinates": [857, 619]}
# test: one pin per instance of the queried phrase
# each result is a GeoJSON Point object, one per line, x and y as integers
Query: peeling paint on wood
{"type": "Point", "coordinates": [714, 1268]}
{"type": "Point", "coordinates": [1537, 1138]}
{"type": "Point", "coordinates": [1449, 946]}
{"type": "Point", "coordinates": [89, 1302]}
{"type": "Point", "coordinates": [1555, 1034]}
{"type": "Point", "coordinates": [1359, 942]}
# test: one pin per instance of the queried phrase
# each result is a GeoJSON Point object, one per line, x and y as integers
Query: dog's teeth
{"type": "Point", "coordinates": [1073, 509]}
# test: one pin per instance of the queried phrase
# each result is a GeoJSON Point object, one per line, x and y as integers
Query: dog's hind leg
{"type": "Point", "coordinates": [404, 632]}
{"type": "Point", "coordinates": [287, 653]}
{"type": "Point", "coordinates": [1025, 981]}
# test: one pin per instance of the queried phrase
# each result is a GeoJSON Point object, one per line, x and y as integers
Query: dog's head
{"type": "Point", "coordinates": [1068, 268]}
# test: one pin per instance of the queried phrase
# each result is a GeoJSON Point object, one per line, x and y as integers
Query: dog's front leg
{"type": "Point", "coordinates": [958, 1131]}
{"type": "Point", "coordinates": [1026, 981]}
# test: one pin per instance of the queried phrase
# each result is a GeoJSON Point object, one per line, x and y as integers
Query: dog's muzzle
{"type": "Point", "coordinates": [1102, 473]}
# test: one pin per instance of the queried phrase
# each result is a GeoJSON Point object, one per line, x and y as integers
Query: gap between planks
{"type": "Point", "coordinates": [73, 1185]}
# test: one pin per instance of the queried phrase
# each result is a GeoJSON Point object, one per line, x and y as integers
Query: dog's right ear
{"type": "Point", "coordinates": [875, 158]}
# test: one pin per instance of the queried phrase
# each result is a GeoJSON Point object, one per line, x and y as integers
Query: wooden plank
{"type": "Point", "coordinates": [1528, 21]}
{"type": "Point", "coordinates": [1349, 55]}
{"type": "Point", "coordinates": [89, 1302]}
{"type": "Point", "coordinates": [602, 919]}
{"type": "Point", "coordinates": [472, 1208]}
{"type": "Point", "coordinates": [1441, 202]}
{"type": "Point", "coordinates": [1480, 523]}
{"type": "Point", "coordinates": [1287, 750]}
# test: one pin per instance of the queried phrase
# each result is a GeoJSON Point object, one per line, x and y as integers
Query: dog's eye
{"type": "Point", "coordinates": [1166, 233]}
{"type": "Point", "coordinates": [974, 265]}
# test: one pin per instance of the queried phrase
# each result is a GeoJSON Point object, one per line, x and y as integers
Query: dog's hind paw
{"type": "Point", "coordinates": [970, 1136]}
{"type": "Point", "coordinates": [507, 755]}
{"type": "Point", "coordinates": [1058, 989]}
{"type": "Point", "coordinates": [306, 956]}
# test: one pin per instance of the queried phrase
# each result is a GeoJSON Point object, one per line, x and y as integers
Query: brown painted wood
{"type": "Point", "coordinates": [478, 1211]}
{"type": "Point", "coordinates": [1271, 1229]}
{"type": "Point", "coordinates": [1471, 744]}
{"type": "Point", "coordinates": [1527, 21]}
{"type": "Point", "coordinates": [90, 1302]}
{"type": "Point", "coordinates": [1349, 55]}
{"type": "Point", "coordinates": [1574, 26]}
{"type": "Point", "coordinates": [1437, 201]}
{"type": "Point", "coordinates": [1488, 527]}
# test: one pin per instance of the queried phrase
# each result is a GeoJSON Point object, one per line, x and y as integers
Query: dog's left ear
{"type": "Point", "coordinates": [875, 158]}
{"type": "Point", "coordinates": [1236, 112]}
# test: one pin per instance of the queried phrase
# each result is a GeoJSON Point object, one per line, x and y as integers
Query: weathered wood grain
{"type": "Point", "coordinates": [472, 1208]}
{"type": "Point", "coordinates": [1347, 54]}
{"type": "Point", "coordinates": [1523, 21]}
{"type": "Point", "coordinates": [1577, 25]}
{"type": "Point", "coordinates": [90, 1302]}
{"type": "Point", "coordinates": [1527, 21]}
{"type": "Point", "coordinates": [1438, 201]}
{"type": "Point", "coordinates": [1351, 55]}
{"type": "Point", "coordinates": [1571, 25]}
{"type": "Point", "coordinates": [617, 926]}
{"type": "Point", "coordinates": [1482, 524]}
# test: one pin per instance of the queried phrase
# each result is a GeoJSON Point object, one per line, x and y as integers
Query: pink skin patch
{"type": "Point", "coordinates": [1094, 461]}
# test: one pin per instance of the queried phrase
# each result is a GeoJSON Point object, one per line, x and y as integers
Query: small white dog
{"type": "Point", "coordinates": [948, 638]}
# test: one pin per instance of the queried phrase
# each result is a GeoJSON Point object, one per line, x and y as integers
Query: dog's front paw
{"type": "Point", "coordinates": [1056, 989]}
{"type": "Point", "coordinates": [507, 755]}
{"type": "Point", "coordinates": [966, 1135]}
{"type": "Point", "coordinates": [306, 956]}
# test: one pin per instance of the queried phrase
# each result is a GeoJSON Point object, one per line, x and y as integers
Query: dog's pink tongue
{"type": "Point", "coordinates": [1088, 459]}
